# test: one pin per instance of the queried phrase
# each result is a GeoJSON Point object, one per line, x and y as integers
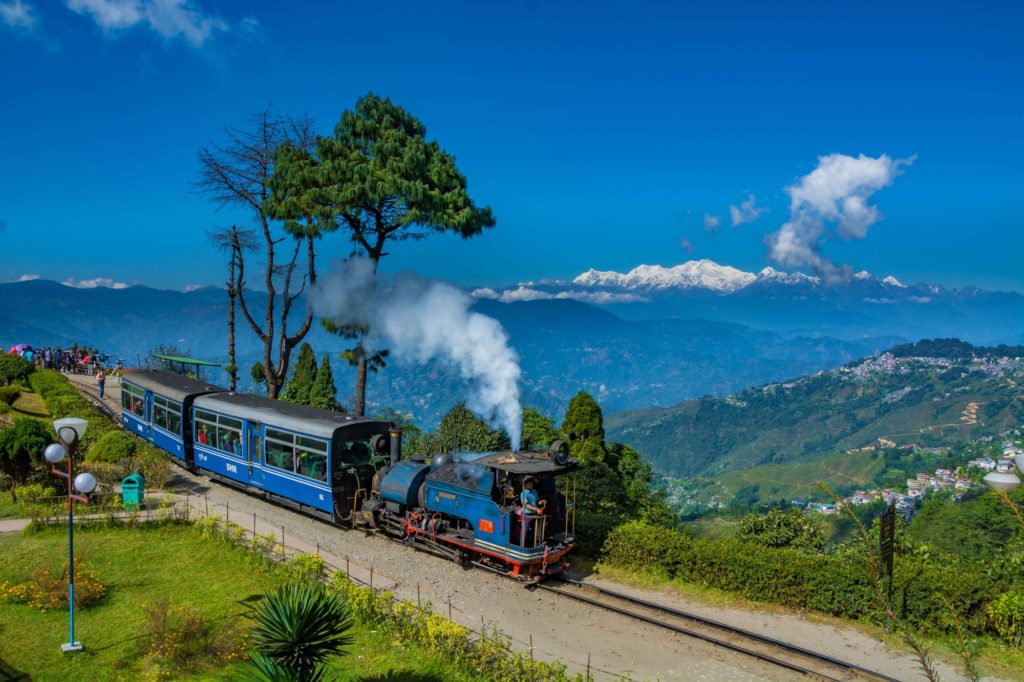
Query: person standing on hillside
{"type": "Point", "coordinates": [101, 379]}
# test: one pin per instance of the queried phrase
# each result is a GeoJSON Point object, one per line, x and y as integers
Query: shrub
{"type": "Point", "coordinates": [8, 394]}
{"type": "Point", "coordinates": [180, 640]}
{"type": "Point", "coordinates": [47, 590]}
{"type": "Point", "coordinates": [14, 368]}
{"type": "Point", "coordinates": [65, 405]}
{"type": "Point", "coordinates": [306, 568]}
{"type": "Point", "coordinates": [298, 628]}
{"type": "Point", "coordinates": [1006, 616]}
{"type": "Point", "coordinates": [112, 446]}
{"type": "Point", "coordinates": [836, 585]}
{"type": "Point", "coordinates": [155, 466]}
{"type": "Point", "coordinates": [592, 529]}
{"type": "Point", "coordinates": [33, 492]}
{"type": "Point", "coordinates": [149, 461]}
{"type": "Point", "coordinates": [490, 656]}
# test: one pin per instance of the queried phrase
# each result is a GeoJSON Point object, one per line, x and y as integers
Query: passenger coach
{"type": "Point", "coordinates": [156, 406]}
{"type": "Point", "coordinates": [319, 461]}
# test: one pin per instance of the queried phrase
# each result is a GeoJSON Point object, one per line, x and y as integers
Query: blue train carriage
{"type": "Point", "coordinates": [156, 406]}
{"type": "Point", "coordinates": [317, 461]}
{"type": "Point", "coordinates": [472, 511]}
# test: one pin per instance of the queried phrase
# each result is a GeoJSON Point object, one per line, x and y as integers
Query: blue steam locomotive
{"type": "Point", "coordinates": [346, 471]}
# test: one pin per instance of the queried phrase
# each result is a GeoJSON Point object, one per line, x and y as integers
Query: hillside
{"type": "Point", "coordinates": [565, 346]}
{"type": "Point", "coordinates": [917, 400]}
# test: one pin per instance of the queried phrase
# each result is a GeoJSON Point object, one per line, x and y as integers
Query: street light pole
{"type": "Point", "coordinates": [69, 432]}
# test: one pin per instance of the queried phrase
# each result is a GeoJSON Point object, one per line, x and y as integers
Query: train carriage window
{"type": "Point", "coordinates": [229, 435]}
{"type": "Point", "coordinates": [312, 464]}
{"type": "Point", "coordinates": [280, 450]}
{"type": "Point", "coordinates": [133, 399]}
{"type": "Point", "coordinates": [311, 458]}
{"type": "Point", "coordinates": [205, 427]}
{"type": "Point", "coordinates": [167, 414]}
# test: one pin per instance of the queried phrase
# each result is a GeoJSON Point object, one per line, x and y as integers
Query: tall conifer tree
{"type": "Point", "coordinates": [323, 393]}
{"type": "Point", "coordinates": [297, 390]}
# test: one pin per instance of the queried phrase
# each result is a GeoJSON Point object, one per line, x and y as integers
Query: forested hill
{"type": "Point", "coordinates": [960, 393]}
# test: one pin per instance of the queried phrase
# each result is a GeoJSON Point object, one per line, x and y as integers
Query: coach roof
{"type": "Point", "coordinates": [169, 384]}
{"type": "Point", "coordinates": [285, 415]}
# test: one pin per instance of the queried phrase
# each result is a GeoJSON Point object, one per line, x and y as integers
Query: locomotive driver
{"type": "Point", "coordinates": [532, 506]}
{"type": "Point", "coordinates": [530, 499]}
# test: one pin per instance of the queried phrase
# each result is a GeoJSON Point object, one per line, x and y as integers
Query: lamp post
{"type": "Point", "coordinates": [69, 432]}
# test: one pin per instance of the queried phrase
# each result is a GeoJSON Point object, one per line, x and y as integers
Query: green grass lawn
{"type": "Point", "coordinates": [28, 404]}
{"type": "Point", "coordinates": [140, 566]}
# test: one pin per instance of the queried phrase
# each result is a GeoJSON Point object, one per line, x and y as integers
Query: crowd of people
{"type": "Point", "coordinates": [67, 360]}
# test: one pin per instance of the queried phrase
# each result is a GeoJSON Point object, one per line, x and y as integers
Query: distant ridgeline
{"type": "Point", "coordinates": [954, 349]}
{"type": "Point", "coordinates": [930, 394]}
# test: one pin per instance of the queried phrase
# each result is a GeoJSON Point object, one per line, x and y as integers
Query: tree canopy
{"type": "Point", "coordinates": [584, 428]}
{"type": "Point", "coordinates": [783, 529]}
{"type": "Point", "coordinates": [538, 431]}
{"type": "Point", "coordinates": [382, 180]}
{"type": "Point", "coordinates": [13, 368]}
{"type": "Point", "coordinates": [323, 393]}
{"type": "Point", "coordinates": [462, 431]}
{"type": "Point", "coordinates": [298, 387]}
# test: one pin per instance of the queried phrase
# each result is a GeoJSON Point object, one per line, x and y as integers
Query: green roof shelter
{"type": "Point", "coordinates": [182, 365]}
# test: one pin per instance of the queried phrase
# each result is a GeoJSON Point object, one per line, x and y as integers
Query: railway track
{"type": "Point", "coordinates": [776, 652]}
{"type": "Point", "coordinates": [99, 404]}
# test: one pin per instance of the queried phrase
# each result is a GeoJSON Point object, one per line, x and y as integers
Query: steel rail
{"type": "Point", "coordinates": [724, 627]}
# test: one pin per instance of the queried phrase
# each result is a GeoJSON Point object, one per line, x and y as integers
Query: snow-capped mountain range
{"type": "Point", "coordinates": [861, 305]}
{"type": "Point", "coordinates": [701, 274]}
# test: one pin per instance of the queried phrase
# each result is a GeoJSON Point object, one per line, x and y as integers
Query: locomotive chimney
{"type": "Point", "coordinates": [396, 445]}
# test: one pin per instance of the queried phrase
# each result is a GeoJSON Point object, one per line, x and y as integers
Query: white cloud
{"type": "Point", "coordinates": [831, 200]}
{"type": "Point", "coordinates": [17, 14]}
{"type": "Point", "coordinates": [525, 293]}
{"type": "Point", "coordinates": [193, 287]}
{"type": "Point", "coordinates": [711, 222]}
{"type": "Point", "coordinates": [746, 212]}
{"type": "Point", "coordinates": [93, 283]}
{"type": "Point", "coordinates": [28, 278]}
{"type": "Point", "coordinates": [168, 18]}
{"type": "Point", "coordinates": [686, 245]}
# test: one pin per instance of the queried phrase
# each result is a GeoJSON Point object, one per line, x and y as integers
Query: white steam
{"type": "Point", "coordinates": [421, 320]}
{"type": "Point", "coordinates": [832, 200]}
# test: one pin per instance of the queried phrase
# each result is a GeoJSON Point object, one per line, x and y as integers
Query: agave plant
{"type": "Point", "coordinates": [298, 627]}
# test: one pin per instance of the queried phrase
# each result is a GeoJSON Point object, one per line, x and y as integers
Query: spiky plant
{"type": "Point", "coordinates": [298, 627]}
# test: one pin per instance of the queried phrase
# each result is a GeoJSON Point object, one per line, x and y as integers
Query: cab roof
{"type": "Point", "coordinates": [526, 462]}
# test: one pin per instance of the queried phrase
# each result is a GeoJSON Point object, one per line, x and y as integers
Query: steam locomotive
{"type": "Point", "coordinates": [346, 471]}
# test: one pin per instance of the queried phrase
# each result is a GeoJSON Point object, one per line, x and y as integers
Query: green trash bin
{"type": "Point", "coordinates": [133, 489]}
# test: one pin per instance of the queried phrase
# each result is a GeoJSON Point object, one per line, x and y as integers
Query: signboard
{"type": "Point", "coordinates": [886, 538]}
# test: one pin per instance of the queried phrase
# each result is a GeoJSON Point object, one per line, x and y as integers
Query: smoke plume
{"type": "Point", "coordinates": [832, 201]}
{"type": "Point", "coordinates": [421, 320]}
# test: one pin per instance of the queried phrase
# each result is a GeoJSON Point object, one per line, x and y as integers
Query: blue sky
{"type": "Point", "coordinates": [600, 133]}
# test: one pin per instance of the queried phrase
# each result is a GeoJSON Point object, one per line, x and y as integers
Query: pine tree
{"type": "Point", "coordinates": [584, 428]}
{"type": "Point", "coordinates": [323, 393]}
{"type": "Point", "coordinates": [298, 388]}
{"type": "Point", "coordinates": [383, 181]}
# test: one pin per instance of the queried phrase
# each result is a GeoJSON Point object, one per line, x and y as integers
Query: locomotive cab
{"type": "Point", "coordinates": [470, 507]}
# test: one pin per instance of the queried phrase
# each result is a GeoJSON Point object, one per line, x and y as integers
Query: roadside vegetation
{"type": "Point", "coordinates": [152, 620]}
{"type": "Point", "coordinates": [105, 451]}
